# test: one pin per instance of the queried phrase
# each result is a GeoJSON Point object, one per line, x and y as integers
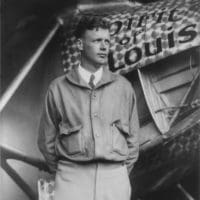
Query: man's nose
{"type": "Point", "coordinates": [103, 45]}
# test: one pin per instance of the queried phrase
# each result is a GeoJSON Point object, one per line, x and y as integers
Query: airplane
{"type": "Point", "coordinates": [155, 45]}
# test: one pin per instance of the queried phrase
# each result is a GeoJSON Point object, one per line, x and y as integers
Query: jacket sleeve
{"type": "Point", "coordinates": [48, 130]}
{"type": "Point", "coordinates": [132, 139]}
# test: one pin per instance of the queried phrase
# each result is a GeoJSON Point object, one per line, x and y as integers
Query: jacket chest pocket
{"type": "Point", "coordinates": [71, 139]}
{"type": "Point", "coordinates": [119, 133]}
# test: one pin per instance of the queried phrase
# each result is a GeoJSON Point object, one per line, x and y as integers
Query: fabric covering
{"type": "Point", "coordinates": [143, 35]}
{"type": "Point", "coordinates": [97, 181]}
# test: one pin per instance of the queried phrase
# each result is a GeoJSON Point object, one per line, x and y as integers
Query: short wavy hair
{"type": "Point", "coordinates": [89, 22]}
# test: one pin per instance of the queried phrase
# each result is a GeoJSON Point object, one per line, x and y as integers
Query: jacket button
{"type": "Point", "coordinates": [95, 115]}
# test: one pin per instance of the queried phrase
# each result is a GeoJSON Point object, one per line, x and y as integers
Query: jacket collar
{"type": "Point", "coordinates": [73, 77]}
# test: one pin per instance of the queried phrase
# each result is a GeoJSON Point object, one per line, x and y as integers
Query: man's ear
{"type": "Point", "coordinates": [80, 44]}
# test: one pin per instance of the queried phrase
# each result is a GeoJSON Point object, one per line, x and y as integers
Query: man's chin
{"type": "Point", "coordinates": [99, 65]}
{"type": "Point", "coordinates": [103, 62]}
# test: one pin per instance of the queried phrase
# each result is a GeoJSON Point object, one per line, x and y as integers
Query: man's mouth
{"type": "Point", "coordinates": [102, 55]}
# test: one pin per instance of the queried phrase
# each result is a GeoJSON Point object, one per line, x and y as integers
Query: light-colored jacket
{"type": "Point", "coordinates": [83, 124]}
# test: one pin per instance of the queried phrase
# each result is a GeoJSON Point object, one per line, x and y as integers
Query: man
{"type": "Point", "coordinates": [88, 130]}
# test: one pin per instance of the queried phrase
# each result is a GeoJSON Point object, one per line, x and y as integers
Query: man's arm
{"type": "Point", "coordinates": [132, 139]}
{"type": "Point", "coordinates": [48, 130]}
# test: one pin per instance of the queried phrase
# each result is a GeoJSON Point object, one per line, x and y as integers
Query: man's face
{"type": "Point", "coordinates": [95, 46]}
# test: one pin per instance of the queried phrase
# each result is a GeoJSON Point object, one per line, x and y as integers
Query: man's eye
{"type": "Point", "coordinates": [98, 40]}
{"type": "Point", "coordinates": [107, 42]}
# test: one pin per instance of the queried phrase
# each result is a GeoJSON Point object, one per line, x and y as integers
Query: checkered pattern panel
{"type": "Point", "coordinates": [141, 36]}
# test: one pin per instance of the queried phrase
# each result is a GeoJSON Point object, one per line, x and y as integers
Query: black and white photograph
{"type": "Point", "coordinates": [100, 100]}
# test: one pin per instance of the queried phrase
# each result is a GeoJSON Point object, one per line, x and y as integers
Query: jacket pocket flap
{"type": "Point", "coordinates": [65, 129]}
{"type": "Point", "coordinates": [121, 126]}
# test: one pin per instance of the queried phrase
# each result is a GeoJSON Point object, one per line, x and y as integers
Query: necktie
{"type": "Point", "coordinates": [91, 82]}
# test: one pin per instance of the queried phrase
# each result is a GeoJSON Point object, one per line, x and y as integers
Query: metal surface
{"type": "Point", "coordinates": [27, 67]}
{"type": "Point", "coordinates": [7, 154]}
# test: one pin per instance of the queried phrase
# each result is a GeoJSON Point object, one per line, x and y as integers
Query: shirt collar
{"type": "Point", "coordinates": [85, 74]}
{"type": "Point", "coordinates": [74, 77]}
